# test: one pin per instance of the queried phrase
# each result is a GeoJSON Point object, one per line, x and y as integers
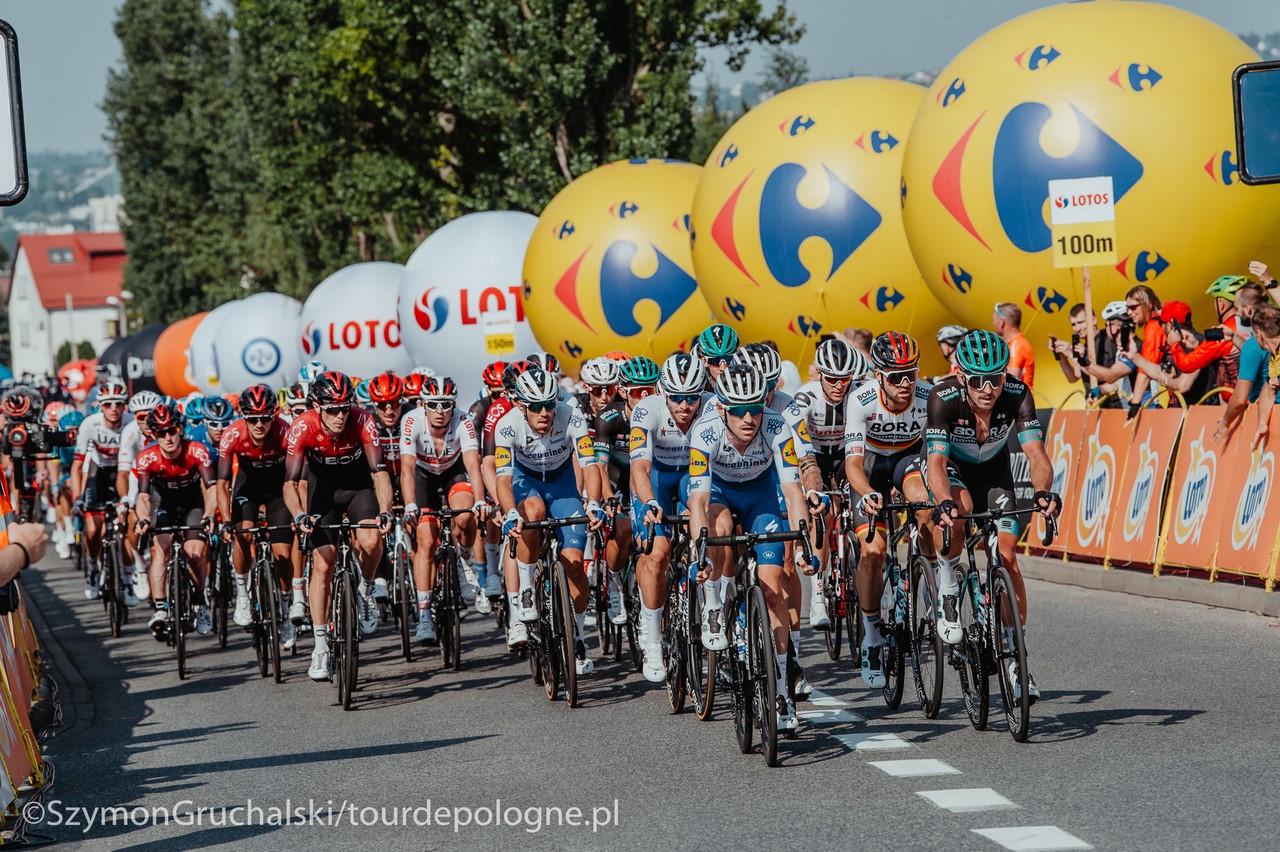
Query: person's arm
{"type": "Point", "coordinates": [1266, 401]}
{"type": "Point", "coordinates": [209, 484]}
{"type": "Point", "coordinates": [1066, 360]}
{"type": "Point", "coordinates": [294, 460]}
{"type": "Point", "coordinates": [855, 449]}
{"type": "Point", "coordinates": [13, 559]}
{"type": "Point", "coordinates": [409, 460]}
{"type": "Point", "coordinates": [585, 455]}
{"type": "Point", "coordinates": [1204, 354]}
{"type": "Point", "coordinates": [641, 454]}
{"type": "Point", "coordinates": [226, 460]}
{"type": "Point", "coordinates": [937, 447]}
{"type": "Point", "coordinates": [1181, 383]}
{"type": "Point", "coordinates": [504, 434]}
{"type": "Point", "coordinates": [142, 510]}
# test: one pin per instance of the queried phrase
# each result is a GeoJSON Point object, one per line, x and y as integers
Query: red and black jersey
{"type": "Point", "coordinates": [166, 476]}
{"type": "Point", "coordinates": [352, 451]}
{"type": "Point", "coordinates": [496, 412]}
{"type": "Point", "coordinates": [255, 460]}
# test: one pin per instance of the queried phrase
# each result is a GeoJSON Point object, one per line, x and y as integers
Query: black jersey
{"type": "Point", "coordinates": [951, 427]}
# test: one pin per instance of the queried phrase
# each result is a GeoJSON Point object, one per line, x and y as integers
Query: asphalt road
{"type": "Point", "coordinates": [1155, 732]}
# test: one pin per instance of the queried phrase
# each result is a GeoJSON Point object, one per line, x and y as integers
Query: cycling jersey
{"type": "Point", "coordinates": [132, 442]}
{"type": "Point", "coordinates": [822, 419]}
{"type": "Point", "coordinates": [479, 409]}
{"type": "Point", "coordinates": [259, 483]}
{"type": "Point", "coordinates": [952, 425]}
{"type": "Point", "coordinates": [656, 438]}
{"type": "Point", "coordinates": [97, 443]}
{"type": "Point", "coordinates": [175, 481]}
{"type": "Point", "coordinates": [499, 409]}
{"type": "Point", "coordinates": [67, 455]}
{"type": "Point", "coordinates": [712, 455]}
{"type": "Point", "coordinates": [389, 449]}
{"type": "Point", "coordinates": [417, 442]}
{"type": "Point", "coordinates": [870, 427]}
{"type": "Point", "coordinates": [519, 446]}
{"type": "Point", "coordinates": [200, 432]}
{"type": "Point", "coordinates": [351, 454]}
{"type": "Point", "coordinates": [610, 435]}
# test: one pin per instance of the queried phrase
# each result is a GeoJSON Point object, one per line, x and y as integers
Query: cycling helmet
{"type": "Point", "coordinates": [893, 350]}
{"type": "Point", "coordinates": [164, 417]}
{"type": "Point", "coordinates": [836, 358]}
{"type": "Point", "coordinates": [385, 387]}
{"type": "Point", "coordinates": [144, 401]}
{"type": "Point", "coordinates": [257, 401]}
{"type": "Point", "coordinates": [333, 388]}
{"type": "Point", "coordinates": [71, 420]}
{"type": "Point", "coordinates": [53, 412]}
{"type": "Point", "coordinates": [640, 371]}
{"type": "Point", "coordinates": [193, 411]}
{"type": "Point", "coordinates": [217, 411]}
{"type": "Point", "coordinates": [512, 372]}
{"type": "Point", "coordinates": [425, 372]}
{"type": "Point", "coordinates": [741, 385]}
{"type": "Point", "coordinates": [717, 341]}
{"type": "Point", "coordinates": [982, 353]}
{"type": "Point", "coordinates": [492, 375]}
{"type": "Point", "coordinates": [761, 358]}
{"type": "Point", "coordinates": [412, 386]}
{"type": "Point", "coordinates": [112, 390]}
{"type": "Point", "coordinates": [616, 355]}
{"type": "Point", "coordinates": [362, 394]}
{"type": "Point", "coordinates": [683, 373]}
{"type": "Point", "coordinates": [1227, 286]}
{"type": "Point", "coordinates": [295, 394]}
{"type": "Point", "coordinates": [951, 334]}
{"type": "Point", "coordinates": [537, 386]}
{"type": "Point", "coordinates": [544, 361]}
{"type": "Point", "coordinates": [439, 387]}
{"type": "Point", "coordinates": [600, 371]}
{"type": "Point", "coordinates": [309, 371]}
{"type": "Point", "coordinates": [1115, 311]}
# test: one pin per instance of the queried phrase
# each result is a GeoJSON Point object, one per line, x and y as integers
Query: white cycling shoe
{"type": "Point", "coordinates": [873, 666]}
{"type": "Point", "coordinates": [949, 628]}
{"type": "Point", "coordinates": [288, 635]}
{"type": "Point", "coordinates": [654, 669]}
{"type": "Point", "coordinates": [243, 616]}
{"type": "Point", "coordinates": [297, 612]}
{"type": "Point", "coordinates": [319, 665]}
{"type": "Point", "coordinates": [517, 634]}
{"type": "Point", "coordinates": [525, 610]}
{"type": "Point", "coordinates": [713, 636]}
{"type": "Point", "coordinates": [818, 617]}
{"type": "Point", "coordinates": [617, 606]}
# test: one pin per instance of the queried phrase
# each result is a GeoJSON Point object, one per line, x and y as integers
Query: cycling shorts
{"type": "Point", "coordinates": [100, 489]}
{"type": "Point", "coordinates": [174, 514]}
{"type": "Point", "coordinates": [247, 501]}
{"type": "Point", "coordinates": [331, 501]}
{"type": "Point", "coordinates": [427, 486]}
{"type": "Point", "coordinates": [756, 503]}
{"type": "Point", "coordinates": [990, 485]}
{"type": "Point", "coordinates": [832, 467]}
{"type": "Point", "coordinates": [886, 474]}
{"type": "Point", "coordinates": [560, 494]}
{"type": "Point", "coordinates": [668, 488]}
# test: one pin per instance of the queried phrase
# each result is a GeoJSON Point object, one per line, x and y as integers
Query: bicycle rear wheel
{"type": "Point", "coordinates": [969, 660]}
{"type": "Point", "coordinates": [833, 590]}
{"type": "Point", "coordinates": [271, 619]}
{"type": "Point", "coordinates": [349, 662]}
{"type": "Point", "coordinates": [565, 627]}
{"type": "Point", "coordinates": [763, 667]}
{"type": "Point", "coordinates": [406, 596]}
{"type": "Point", "coordinates": [853, 627]}
{"type": "Point", "coordinates": [1017, 709]}
{"type": "Point", "coordinates": [179, 586]}
{"type": "Point", "coordinates": [926, 644]}
{"type": "Point", "coordinates": [446, 580]}
{"type": "Point", "coordinates": [112, 599]}
{"type": "Point", "coordinates": [699, 662]}
{"type": "Point", "coordinates": [743, 693]}
{"type": "Point", "coordinates": [222, 586]}
{"type": "Point", "coordinates": [674, 638]}
{"type": "Point", "coordinates": [893, 655]}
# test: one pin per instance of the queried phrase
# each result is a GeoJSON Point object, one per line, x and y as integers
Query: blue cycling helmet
{"type": "Point", "coordinates": [71, 420]}
{"type": "Point", "coordinates": [218, 413]}
{"type": "Point", "coordinates": [363, 399]}
{"type": "Point", "coordinates": [717, 341]}
{"type": "Point", "coordinates": [640, 371]}
{"type": "Point", "coordinates": [193, 411]}
{"type": "Point", "coordinates": [982, 353]}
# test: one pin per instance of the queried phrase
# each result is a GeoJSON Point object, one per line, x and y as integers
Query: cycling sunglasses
{"type": "Point", "coordinates": [336, 409]}
{"type": "Point", "coordinates": [744, 410]}
{"type": "Point", "coordinates": [438, 405]}
{"type": "Point", "coordinates": [901, 377]}
{"type": "Point", "coordinates": [718, 361]}
{"type": "Point", "coordinates": [602, 390]}
{"type": "Point", "coordinates": [641, 391]}
{"type": "Point", "coordinates": [979, 382]}
{"type": "Point", "coordinates": [111, 405]}
{"type": "Point", "coordinates": [687, 398]}
{"type": "Point", "coordinates": [167, 433]}
{"type": "Point", "coordinates": [390, 404]}
{"type": "Point", "coordinates": [539, 407]}
{"type": "Point", "coordinates": [259, 420]}
{"type": "Point", "coordinates": [837, 381]}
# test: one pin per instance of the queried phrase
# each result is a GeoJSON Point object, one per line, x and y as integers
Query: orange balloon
{"type": "Point", "coordinates": [173, 366]}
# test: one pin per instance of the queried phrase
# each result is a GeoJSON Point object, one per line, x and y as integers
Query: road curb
{"type": "Point", "coordinates": [77, 696]}
{"type": "Point", "coordinates": [1224, 595]}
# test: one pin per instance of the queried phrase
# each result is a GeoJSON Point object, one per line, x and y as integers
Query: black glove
{"type": "Point", "coordinates": [946, 507]}
{"type": "Point", "coordinates": [1134, 408]}
{"type": "Point", "coordinates": [1042, 499]}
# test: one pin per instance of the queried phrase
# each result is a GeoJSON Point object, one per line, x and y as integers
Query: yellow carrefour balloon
{"type": "Point", "coordinates": [798, 218]}
{"type": "Point", "coordinates": [608, 266]}
{"type": "Point", "coordinates": [1136, 91]}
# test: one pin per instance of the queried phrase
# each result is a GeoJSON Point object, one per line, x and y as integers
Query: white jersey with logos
{"type": "Point", "coordinates": [823, 420]}
{"type": "Point", "coordinates": [712, 454]}
{"type": "Point", "coordinates": [97, 444]}
{"type": "Point", "coordinates": [870, 427]}
{"type": "Point", "coordinates": [417, 441]}
{"type": "Point", "coordinates": [517, 444]}
{"type": "Point", "coordinates": [656, 438]}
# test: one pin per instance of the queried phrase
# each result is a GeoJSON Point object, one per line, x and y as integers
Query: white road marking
{"type": "Point", "coordinates": [963, 801]}
{"type": "Point", "coordinates": [829, 716]}
{"type": "Point", "coordinates": [914, 768]}
{"type": "Point", "coordinates": [820, 699]}
{"type": "Point", "coordinates": [871, 742]}
{"type": "Point", "coordinates": [1033, 838]}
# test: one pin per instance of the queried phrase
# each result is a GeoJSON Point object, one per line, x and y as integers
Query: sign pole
{"type": "Point", "coordinates": [1090, 349]}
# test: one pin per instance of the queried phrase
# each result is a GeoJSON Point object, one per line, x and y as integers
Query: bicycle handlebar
{"type": "Point", "coordinates": [907, 506]}
{"type": "Point", "coordinates": [546, 524]}
{"type": "Point", "coordinates": [1050, 523]}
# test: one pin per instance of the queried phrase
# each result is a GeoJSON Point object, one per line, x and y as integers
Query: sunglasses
{"type": "Point", "coordinates": [745, 410]}
{"type": "Point", "coordinates": [641, 391]}
{"type": "Point", "coordinates": [111, 405]}
{"type": "Point", "coordinates": [436, 405]}
{"type": "Point", "coordinates": [336, 409]}
{"type": "Point", "coordinates": [719, 361]}
{"type": "Point", "coordinates": [259, 420]}
{"type": "Point", "coordinates": [166, 433]}
{"type": "Point", "coordinates": [901, 377]}
{"type": "Point", "coordinates": [687, 398]}
{"type": "Point", "coordinates": [389, 404]}
{"type": "Point", "coordinates": [540, 407]}
{"type": "Point", "coordinates": [1131, 308]}
{"type": "Point", "coordinates": [602, 390]}
{"type": "Point", "coordinates": [979, 382]}
{"type": "Point", "coordinates": [837, 381]}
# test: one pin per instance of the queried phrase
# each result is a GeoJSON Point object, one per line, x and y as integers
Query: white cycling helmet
{"type": "Point", "coordinates": [836, 358]}
{"type": "Point", "coordinates": [739, 384]}
{"type": "Point", "coordinates": [600, 372]}
{"type": "Point", "coordinates": [951, 333]}
{"type": "Point", "coordinates": [765, 360]}
{"type": "Point", "coordinates": [537, 386]}
{"type": "Point", "coordinates": [1115, 311]}
{"type": "Point", "coordinates": [683, 373]}
{"type": "Point", "coordinates": [112, 390]}
{"type": "Point", "coordinates": [544, 361]}
{"type": "Point", "coordinates": [425, 372]}
{"type": "Point", "coordinates": [308, 374]}
{"type": "Point", "coordinates": [144, 401]}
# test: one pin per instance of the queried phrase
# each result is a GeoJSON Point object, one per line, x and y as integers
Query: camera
{"type": "Point", "coordinates": [1214, 334]}
{"type": "Point", "coordinates": [23, 440]}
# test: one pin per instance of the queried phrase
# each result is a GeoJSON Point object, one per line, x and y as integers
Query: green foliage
{"type": "Point", "coordinates": [84, 349]}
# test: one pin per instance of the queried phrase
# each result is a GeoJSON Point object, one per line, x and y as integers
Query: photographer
{"type": "Point", "coordinates": [1074, 354]}
{"type": "Point", "coordinates": [1175, 321]}
{"type": "Point", "coordinates": [21, 544]}
{"type": "Point", "coordinates": [1117, 376]}
{"type": "Point", "coordinates": [1144, 306]}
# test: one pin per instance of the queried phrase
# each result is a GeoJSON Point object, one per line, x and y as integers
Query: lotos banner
{"type": "Point", "coordinates": [1135, 530]}
{"type": "Point", "coordinates": [1201, 474]}
{"type": "Point", "coordinates": [1104, 448]}
{"type": "Point", "coordinates": [1251, 519]}
{"type": "Point", "coordinates": [1062, 443]}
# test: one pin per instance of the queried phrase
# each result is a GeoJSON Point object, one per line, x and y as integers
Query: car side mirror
{"type": "Point", "coordinates": [1256, 90]}
{"type": "Point", "coordinates": [13, 141]}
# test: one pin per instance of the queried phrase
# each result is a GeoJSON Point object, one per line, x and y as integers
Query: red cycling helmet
{"type": "Point", "coordinates": [439, 387]}
{"type": "Point", "coordinates": [412, 386]}
{"type": "Point", "coordinates": [333, 388]}
{"type": "Point", "coordinates": [492, 375]}
{"type": "Point", "coordinates": [258, 401]}
{"type": "Point", "coordinates": [164, 417]}
{"type": "Point", "coordinates": [512, 372]}
{"type": "Point", "coordinates": [386, 387]}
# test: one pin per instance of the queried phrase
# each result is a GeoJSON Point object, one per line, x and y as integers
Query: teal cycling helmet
{"type": "Point", "coordinates": [218, 412]}
{"type": "Point", "coordinates": [363, 399]}
{"type": "Point", "coordinates": [640, 371]}
{"type": "Point", "coordinates": [71, 420]}
{"type": "Point", "coordinates": [982, 353]}
{"type": "Point", "coordinates": [193, 412]}
{"type": "Point", "coordinates": [717, 341]}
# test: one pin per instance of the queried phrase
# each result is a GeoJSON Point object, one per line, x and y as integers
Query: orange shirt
{"type": "Point", "coordinates": [1023, 357]}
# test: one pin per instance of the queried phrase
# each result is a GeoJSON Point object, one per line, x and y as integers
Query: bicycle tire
{"type": "Point", "coordinates": [743, 693]}
{"type": "Point", "coordinates": [834, 634]}
{"type": "Point", "coordinates": [349, 637]}
{"type": "Point", "coordinates": [926, 643]}
{"type": "Point", "coordinates": [969, 660]}
{"type": "Point", "coordinates": [674, 641]}
{"type": "Point", "coordinates": [1017, 711]}
{"type": "Point", "coordinates": [567, 637]}
{"type": "Point", "coordinates": [631, 595]}
{"type": "Point", "coordinates": [699, 662]}
{"type": "Point", "coordinates": [763, 665]}
{"type": "Point", "coordinates": [446, 579]}
{"type": "Point", "coordinates": [893, 653]}
{"type": "Point", "coordinates": [407, 604]}
{"type": "Point", "coordinates": [272, 622]}
{"type": "Point", "coordinates": [111, 594]}
{"type": "Point", "coordinates": [854, 630]}
{"type": "Point", "coordinates": [600, 606]}
{"type": "Point", "coordinates": [455, 623]}
{"type": "Point", "coordinates": [178, 579]}
{"type": "Point", "coordinates": [552, 669]}
{"type": "Point", "coordinates": [222, 592]}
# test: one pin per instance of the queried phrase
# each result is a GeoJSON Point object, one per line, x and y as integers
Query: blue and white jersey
{"type": "Point", "coordinates": [518, 445]}
{"type": "Point", "coordinates": [712, 454]}
{"type": "Point", "coordinates": [656, 438]}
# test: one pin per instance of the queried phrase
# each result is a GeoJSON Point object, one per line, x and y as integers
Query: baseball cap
{"type": "Point", "coordinates": [1175, 312]}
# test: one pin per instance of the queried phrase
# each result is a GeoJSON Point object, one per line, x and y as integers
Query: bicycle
{"type": "Point", "coordinates": [839, 587]}
{"type": "Point", "coordinates": [404, 594]}
{"type": "Point", "coordinates": [983, 607]}
{"type": "Point", "coordinates": [110, 575]}
{"type": "Point", "coordinates": [265, 601]}
{"type": "Point", "coordinates": [691, 668]}
{"type": "Point", "coordinates": [221, 586]}
{"type": "Point", "coordinates": [448, 605]}
{"type": "Point", "coordinates": [183, 590]}
{"type": "Point", "coordinates": [552, 642]}
{"type": "Point", "coordinates": [752, 662]}
{"type": "Point", "coordinates": [344, 632]}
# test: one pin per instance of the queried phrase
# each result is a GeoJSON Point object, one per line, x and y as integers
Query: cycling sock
{"type": "Point", "coordinates": [615, 580]}
{"type": "Point", "coordinates": [242, 585]}
{"type": "Point", "coordinates": [871, 623]}
{"type": "Point", "coordinates": [580, 624]}
{"type": "Point", "coordinates": [782, 675]}
{"type": "Point", "coordinates": [816, 580]}
{"type": "Point", "coordinates": [321, 635]}
{"type": "Point", "coordinates": [714, 600]}
{"type": "Point", "coordinates": [482, 573]}
{"type": "Point", "coordinates": [138, 567]}
{"type": "Point", "coordinates": [1008, 638]}
{"type": "Point", "coordinates": [726, 585]}
{"type": "Point", "coordinates": [650, 623]}
{"type": "Point", "coordinates": [526, 575]}
{"type": "Point", "coordinates": [948, 583]}
{"type": "Point", "coordinates": [513, 600]}
{"type": "Point", "coordinates": [297, 590]}
{"type": "Point", "coordinates": [492, 557]}
{"type": "Point", "coordinates": [795, 643]}
{"type": "Point", "coordinates": [161, 605]}
{"type": "Point", "coordinates": [424, 600]}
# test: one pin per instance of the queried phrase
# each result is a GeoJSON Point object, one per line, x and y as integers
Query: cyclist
{"type": "Point", "coordinates": [505, 565]}
{"type": "Point", "coordinates": [218, 415]}
{"type": "Point", "coordinates": [337, 444]}
{"type": "Point", "coordinates": [439, 454]}
{"type": "Point", "coordinates": [970, 416]}
{"type": "Point", "coordinates": [256, 442]}
{"type": "Point", "coordinates": [175, 488]}
{"type": "Point", "coordinates": [295, 402]}
{"type": "Point", "coordinates": [660, 427]}
{"type": "Point", "coordinates": [93, 470]}
{"type": "Point", "coordinates": [948, 339]}
{"type": "Point", "coordinates": [768, 363]}
{"type": "Point", "coordinates": [70, 420]}
{"type": "Point", "coordinates": [135, 436]}
{"type": "Point", "coordinates": [884, 425]}
{"type": "Point", "coordinates": [384, 392]}
{"type": "Point", "coordinates": [715, 346]}
{"type": "Point", "coordinates": [601, 378]}
{"type": "Point", "coordinates": [308, 373]}
{"type": "Point", "coordinates": [742, 455]}
{"type": "Point", "coordinates": [542, 451]}
{"type": "Point", "coordinates": [486, 552]}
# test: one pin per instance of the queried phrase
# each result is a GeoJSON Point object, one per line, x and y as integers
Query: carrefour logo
{"type": "Point", "coordinates": [1095, 492]}
{"type": "Point", "coordinates": [1252, 505]}
{"type": "Point", "coordinates": [1197, 488]}
{"type": "Point", "coordinates": [260, 356]}
{"type": "Point", "coordinates": [1139, 503]}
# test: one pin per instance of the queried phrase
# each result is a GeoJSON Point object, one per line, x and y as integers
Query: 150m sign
{"type": "Point", "coordinates": [1082, 213]}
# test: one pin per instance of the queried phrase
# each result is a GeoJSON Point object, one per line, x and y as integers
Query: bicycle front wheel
{"type": "Point", "coordinates": [699, 662]}
{"type": "Point", "coordinates": [674, 637]}
{"type": "Point", "coordinates": [764, 677]}
{"type": "Point", "coordinates": [1014, 690]}
{"type": "Point", "coordinates": [565, 627]}
{"type": "Point", "coordinates": [270, 599]}
{"type": "Point", "coordinates": [895, 633]}
{"type": "Point", "coordinates": [926, 644]}
{"type": "Point", "coordinates": [970, 658]}
{"type": "Point", "coordinates": [112, 595]}
{"type": "Point", "coordinates": [179, 599]}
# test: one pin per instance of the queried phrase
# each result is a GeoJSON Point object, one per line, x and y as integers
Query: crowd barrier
{"type": "Point", "coordinates": [1161, 491]}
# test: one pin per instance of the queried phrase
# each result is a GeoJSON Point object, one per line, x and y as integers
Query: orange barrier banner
{"type": "Point", "coordinates": [17, 664]}
{"type": "Point", "coordinates": [1251, 519]}
{"type": "Point", "coordinates": [1201, 475]}
{"type": "Point", "coordinates": [1062, 444]}
{"type": "Point", "coordinates": [14, 727]}
{"type": "Point", "coordinates": [1104, 446]}
{"type": "Point", "coordinates": [1137, 520]}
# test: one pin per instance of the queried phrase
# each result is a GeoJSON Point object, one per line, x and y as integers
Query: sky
{"type": "Point", "coordinates": [66, 47]}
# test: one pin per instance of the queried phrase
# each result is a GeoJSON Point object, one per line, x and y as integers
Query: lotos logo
{"type": "Point", "coordinates": [730, 154]}
{"type": "Point", "coordinates": [1246, 523]}
{"type": "Point", "coordinates": [1035, 58]}
{"type": "Point", "coordinates": [1197, 489]}
{"type": "Point", "coordinates": [621, 290]}
{"type": "Point", "coordinates": [571, 349]}
{"type": "Point", "coordinates": [946, 97]}
{"type": "Point", "coordinates": [798, 125]}
{"type": "Point", "coordinates": [805, 326]}
{"type": "Point", "coordinates": [260, 356]}
{"type": "Point", "coordinates": [879, 141]}
{"type": "Point", "coordinates": [1222, 167]}
{"type": "Point", "coordinates": [1140, 496]}
{"type": "Point", "coordinates": [1062, 202]}
{"type": "Point", "coordinates": [887, 298]}
{"type": "Point", "coordinates": [431, 311]}
{"type": "Point", "coordinates": [361, 334]}
{"type": "Point", "coordinates": [1136, 77]}
{"type": "Point", "coordinates": [311, 339]}
{"type": "Point", "coordinates": [957, 278]}
{"type": "Point", "coordinates": [1146, 266]}
{"type": "Point", "coordinates": [624, 210]}
{"type": "Point", "coordinates": [1095, 492]}
{"type": "Point", "coordinates": [734, 308]}
{"type": "Point", "coordinates": [565, 229]}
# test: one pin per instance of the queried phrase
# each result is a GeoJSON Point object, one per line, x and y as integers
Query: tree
{"type": "Point", "coordinates": [83, 349]}
{"type": "Point", "coordinates": [710, 122]}
{"type": "Point", "coordinates": [785, 70]}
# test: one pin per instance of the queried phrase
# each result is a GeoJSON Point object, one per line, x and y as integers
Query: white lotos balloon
{"type": "Point", "coordinates": [468, 270]}
{"type": "Point", "coordinates": [257, 343]}
{"type": "Point", "coordinates": [349, 321]}
{"type": "Point", "coordinates": [204, 369]}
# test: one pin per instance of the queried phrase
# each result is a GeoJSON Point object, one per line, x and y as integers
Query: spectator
{"type": "Point", "coordinates": [1007, 323]}
{"type": "Point", "coordinates": [1118, 376]}
{"type": "Point", "coordinates": [1266, 331]}
{"type": "Point", "coordinates": [1071, 356]}
{"type": "Point", "coordinates": [948, 339]}
{"type": "Point", "coordinates": [1193, 384]}
{"type": "Point", "coordinates": [860, 339]}
{"type": "Point", "coordinates": [1143, 306]}
{"type": "Point", "coordinates": [1253, 362]}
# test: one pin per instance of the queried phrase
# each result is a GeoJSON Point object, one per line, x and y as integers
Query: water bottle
{"type": "Point", "coordinates": [742, 630]}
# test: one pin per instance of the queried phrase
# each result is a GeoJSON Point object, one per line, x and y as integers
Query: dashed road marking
{"type": "Point", "coordinates": [964, 801]}
{"type": "Point", "coordinates": [829, 716]}
{"type": "Point", "coordinates": [914, 768]}
{"type": "Point", "coordinates": [1033, 838]}
{"type": "Point", "coordinates": [871, 742]}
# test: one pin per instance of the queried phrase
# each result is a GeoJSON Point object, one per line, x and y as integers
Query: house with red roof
{"type": "Point", "coordinates": [64, 287]}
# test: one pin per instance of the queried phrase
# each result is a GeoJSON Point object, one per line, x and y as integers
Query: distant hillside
{"type": "Point", "coordinates": [53, 200]}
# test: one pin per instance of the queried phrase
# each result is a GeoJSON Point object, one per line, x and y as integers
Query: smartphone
{"type": "Point", "coordinates": [1124, 338]}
